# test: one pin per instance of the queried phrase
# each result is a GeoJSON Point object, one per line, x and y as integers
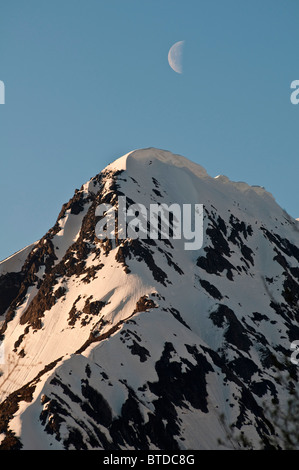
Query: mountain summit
{"type": "Point", "coordinates": [135, 342]}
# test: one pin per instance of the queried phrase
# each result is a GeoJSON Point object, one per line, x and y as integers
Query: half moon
{"type": "Point", "coordinates": [175, 56]}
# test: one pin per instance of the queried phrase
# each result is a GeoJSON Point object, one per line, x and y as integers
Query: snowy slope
{"type": "Point", "coordinates": [142, 344]}
{"type": "Point", "coordinates": [15, 262]}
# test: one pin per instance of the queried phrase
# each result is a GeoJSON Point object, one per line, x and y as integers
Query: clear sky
{"type": "Point", "coordinates": [87, 81]}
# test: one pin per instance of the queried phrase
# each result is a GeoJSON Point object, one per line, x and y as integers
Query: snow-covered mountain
{"type": "Point", "coordinates": [133, 343]}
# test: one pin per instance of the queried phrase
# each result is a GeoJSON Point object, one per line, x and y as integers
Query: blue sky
{"type": "Point", "coordinates": [88, 81]}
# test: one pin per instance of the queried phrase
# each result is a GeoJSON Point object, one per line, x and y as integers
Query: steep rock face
{"type": "Point", "coordinates": [139, 343]}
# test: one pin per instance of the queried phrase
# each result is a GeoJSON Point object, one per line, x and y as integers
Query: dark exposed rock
{"type": "Point", "coordinates": [42, 302]}
{"type": "Point", "coordinates": [60, 292]}
{"type": "Point", "coordinates": [95, 405]}
{"type": "Point", "coordinates": [177, 316]}
{"type": "Point", "coordinates": [73, 313]}
{"type": "Point", "coordinates": [144, 304]}
{"type": "Point", "coordinates": [138, 350]}
{"type": "Point", "coordinates": [257, 317]}
{"type": "Point", "coordinates": [238, 228]}
{"type": "Point", "coordinates": [136, 249]}
{"type": "Point", "coordinates": [179, 387]}
{"type": "Point", "coordinates": [10, 285]}
{"type": "Point", "coordinates": [135, 347]}
{"type": "Point", "coordinates": [212, 290]}
{"type": "Point", "coordinates": [215, 263]}
{"type": "Point", "coordinates": [282, 244]}
{"type": "Point", "coordinates": [234, 331]}
{"type": "Point", "coordinates": [291, 291]}
{"type": "Point", "coordinates": [52, 418]}
{"type": "Point", "coordinates": [243, 367]}
{"type": "Point", "coordinates": [261, 388]}
{"type": "Point", "coordinates": [247, 253]}
{"type": "Point", "coordinates": [93, 308]}
{"type": "Point", "coordinates": [157, 193]}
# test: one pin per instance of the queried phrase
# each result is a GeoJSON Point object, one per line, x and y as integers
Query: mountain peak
{"type": "Point", "coordinates": [148, 156]}
{"type": "Point", "coordinates": [134, 342]}
{"type": "Point", "coordinates": [142, 158]}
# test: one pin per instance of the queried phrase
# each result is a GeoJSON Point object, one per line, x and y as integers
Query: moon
{"type": "Point", "coordinates": [175, 56]}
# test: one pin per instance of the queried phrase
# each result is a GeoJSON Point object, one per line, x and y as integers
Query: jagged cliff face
{"type": "Point", "coordinates": [140, 343]}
